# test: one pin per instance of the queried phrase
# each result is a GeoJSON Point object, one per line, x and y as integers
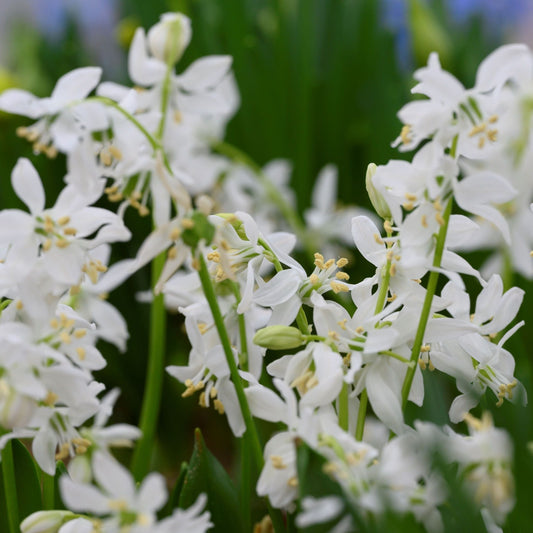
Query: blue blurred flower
{"type": "Point", "coordinates": [497, 16]}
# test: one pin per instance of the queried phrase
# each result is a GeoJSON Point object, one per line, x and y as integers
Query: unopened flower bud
{"type": "Point", "coordinates": [169, 38]}
{"type": "Point", "coordinates": [279, 337]}
{"type": "Point", "coordinates": [378, 202]}
{"type": "Point", "coordinates": [45, 521]}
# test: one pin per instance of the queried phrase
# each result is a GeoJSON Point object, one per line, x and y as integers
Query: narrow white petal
{"type": "Point", "coordinates": [28, 186]}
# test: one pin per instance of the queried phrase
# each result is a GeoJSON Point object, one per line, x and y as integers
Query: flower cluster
{"type": "Point", "coordinates": [337, 348]}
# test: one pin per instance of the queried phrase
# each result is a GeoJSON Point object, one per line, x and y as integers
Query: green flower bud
{"type": "Point", "coordinates": [279, 337]}
{"type": "Point", "coordinates": [46, 521]}
{"type": "Point", "coordinates": [169, 38]}
{"type": "Point", "coordinates": [378, 202]}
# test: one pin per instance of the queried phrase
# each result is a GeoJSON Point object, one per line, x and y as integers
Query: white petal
{"type": "Point", "coordinates": [81, 497]}
{"type": "Point", "coordinates": [113, 477]}
{"type": "Point", "coordinates": [28, 186]}
{"type": "Point", "coordinates": [76, 85]}
{"type": "Point", "coordinates": [205, 73]}
{"type": "Point", "coordinates": [152, 493]}
{"type": "Point", "coordinates": [279, 289]}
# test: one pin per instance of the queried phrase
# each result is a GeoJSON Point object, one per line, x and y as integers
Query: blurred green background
{"type": "Point", "coordinates": [320, 82]}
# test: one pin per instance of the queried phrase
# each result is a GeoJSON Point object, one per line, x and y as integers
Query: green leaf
{"type": "Point", "coordinates": [175, 494]}
{"type": "Point", "coordinates": [27, 479]}
{"type": "Point", "coordinates": [206, 475]}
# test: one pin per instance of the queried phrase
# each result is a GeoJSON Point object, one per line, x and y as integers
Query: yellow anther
{"type": "Point", "coordinates": [64, 452]}
{"type": "Point", "coordinates": [64, 220]}
{"type": "Point", "coordinates": [389, 255]}
{"type": "Point", "coordinates": [333, 335]}
{"type": "Point", "coordinates": [19, 305]}
{"type": "Point", "coordinates": [116, 197]}
{"type": "Point", "coordinates": [301, 379]}
{"type": "Point", "coordinates": [425, 348]}
{"type": "Point", "coordinates": [202, 327]}
{"type": "Point", "coordinates": [187, 223]}
{"type": "Point", "coordinates": [81, 352]}
{"type": "Point", "coordinates": [431, 366]}
{"type": "Point", "coordinates": [118, 505]}
{"type": "Point", "coordinates": [410, 197]}
{"type": "Point", "coordinates": [481, 142]}
{"type": "Point", "coordinates": [313, 278]}
{"type": "Point", "coordinates": [422, 364]}
{"type": "Point", "coordinates": [21, 131]}
{"type": "Point", "coordinates": [70, 231]}
{"type": "Point", "coordinates": [51, 152]}
{"type": "Point", "coordinates": [213, 256]}
{"type": "Point", "coordinates": [342, 262]}
{"type": "Point", "coordinates": [437, 205]}
{"type": "Point", "coordinates": [172, 252]}
{"type": "Point", "coordinates": [100, 266]}
{"type": "Point", "coordinates": [115, 152]}
{"type": "Point", "coordinates": [201, 400]}
{"type": "Point", "coordinates": [477, 129]}
{"type": "Point", "coordinates": [392, 269]}
{"type": "Point", "coordinates": [199, 386]}
{"type": "Point", "coordinates": [105, 158]}
{"type": "Point", "coordinates": [293, 481]}
{"type": "Point", "coordinates": [312, 382]}
{"type": "Point", "coordinates": [219, 406]}
{"type": "Point", "coordinates": [330, 468]}
{"type": "Point", "coordinates": [408, 206]}
{"type": "Point", "coordinates": [75, 289]}
{"type": "Point", "coordinates": [388, 226]}
{"type": "Point", "coordinates": [62, 243]}
{"type": "Point", "coordinates": [277, 462]}
{"type": "Point", "coordinates": [178, 117]}
{"type": "Point", "coordinates": [103, 295]}
{"type": "Point", "coordinates": [424, 221]}
{"type": "Point", "coordinates": [319, 261]}
{"type": "Point", "coordinates": [80, 450]}
{"type": "Point", "coordinates": [405, 134]}
{"type": "Point", "coordinates": [492, 135]}
{"type": "Point", "coordinates": [175, 234]}
{"type": "Point", "coordinates": [342, 323]}
{"type": "Point", "coordinates": [329, 263]}
{"type": "Point", "coordinates": [359, 330]}
{"type": "Point", "coordinates": [143, 210]}
{"type": "Point", "coordinates": [54, 324]}
{"type": "Point", "coordinates": [32, 135]}
{"type": "Point", "coordinates": [65, 337]}
{"type": "Point", "coordinates": [392, 298]}
{"type": "Point", "coordinates": [378, 238]}
{"type": "Point", "coordinates": [493, 119]}
{"type": "Point", "coordinates": [51, 398]}
{"type": "Point", "coordinates": [189, 391]}
{"type": "Point", "coordinates": [111, 190]}
{"type": "Point", "coordinates": [439, 219]}
{"type": "Point", "coordinates": [338, 287]}
{"type": "Point", "coordinates": [213, 392]}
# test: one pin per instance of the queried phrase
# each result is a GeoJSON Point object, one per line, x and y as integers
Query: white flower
{"type": "Point", "coordinates": [117, 498]}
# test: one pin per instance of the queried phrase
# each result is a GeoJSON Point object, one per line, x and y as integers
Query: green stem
{"type": "Point", "coordinates": [10, 488]}
{"type": "Point", "coordinates": [253, 436]}
{"type": "Point", "coordinates": [360, 428]}
{"type": "Point", "coordinates": [243, 353]}
{"type": "Point", "coordinates": [343, 407]}
{"type": "Point", "coordinates": [154, 378]}
{"type": "Point", "coordinates": [426, 309]}
{"type": "Point", "coordinates": [395, 356]}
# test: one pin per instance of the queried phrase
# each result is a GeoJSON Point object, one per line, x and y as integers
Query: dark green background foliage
{"type": "Point", "coordinates": [320, 83]}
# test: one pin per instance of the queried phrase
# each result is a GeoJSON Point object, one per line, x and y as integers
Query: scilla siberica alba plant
{"type": "Point", "coordinates": [223, 233]}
